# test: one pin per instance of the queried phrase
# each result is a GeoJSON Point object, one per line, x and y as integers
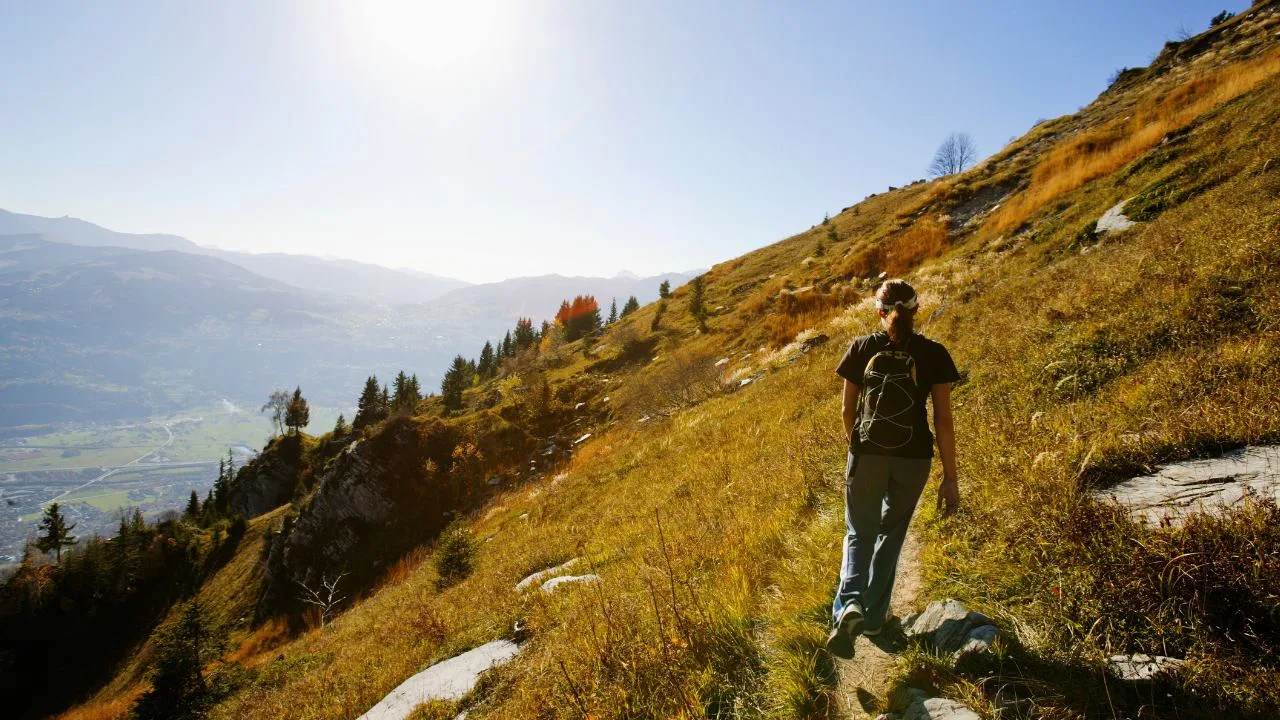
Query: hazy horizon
{"type": "Point", "coordinates": [494, 140]}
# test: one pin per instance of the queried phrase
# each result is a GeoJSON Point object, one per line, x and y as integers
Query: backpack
{"type": "Point", "coordinates": [888, 399]}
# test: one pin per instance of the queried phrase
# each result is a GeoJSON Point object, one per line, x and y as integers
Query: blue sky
{"type": "Point", "coordinates": [484, 140]}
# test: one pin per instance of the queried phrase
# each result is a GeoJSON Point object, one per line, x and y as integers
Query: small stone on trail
{"type": "Point", "coordinates": [950, 627]}
{"type": "Point", "coordinates": [722, 361]}
{"type": "Point", "coordinates": [939, 709]}
{"type": "Point", "coordinates": [579, 406]}
{"type": "Point", "coordinates": [582, 439]}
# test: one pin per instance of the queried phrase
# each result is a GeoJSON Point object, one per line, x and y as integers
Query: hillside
{"type": "Point", "coordinates": [697, 472]}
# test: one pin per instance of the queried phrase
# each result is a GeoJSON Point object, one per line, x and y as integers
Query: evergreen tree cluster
{"type": "Point", "coordinates": [70, 623]}
{"type": "Point", "coordinates": [378, 402]}
{"type": "Point", "coordinates": [579, 318]}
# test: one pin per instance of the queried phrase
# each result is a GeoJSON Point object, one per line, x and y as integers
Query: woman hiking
{"type": "Point", "coordinates": [888, 377]}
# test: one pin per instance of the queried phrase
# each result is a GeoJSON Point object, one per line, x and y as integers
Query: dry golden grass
{"type": "Point", "coordinates": [1099, 152]}
{"type": "Point", "coordinates": [116, 708]}
{"type": "Point", "coordinates": [899, 253]}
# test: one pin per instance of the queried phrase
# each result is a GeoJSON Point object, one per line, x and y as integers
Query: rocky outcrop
{"type": "Point", "coordinates": [267, 481]}
{"type": "Point", "coordinates": [375, 500]}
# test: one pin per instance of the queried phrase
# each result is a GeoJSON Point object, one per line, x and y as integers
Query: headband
{"type": "Point", "coordinates": [908, 304]}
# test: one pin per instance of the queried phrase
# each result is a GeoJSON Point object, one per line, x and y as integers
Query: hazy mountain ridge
{"type": "Point", "coordinates": [136, 328]}
{"type": "Point", "coordinates": [80, 232]}
{"type": "Point", "coordinates": [365, 281]}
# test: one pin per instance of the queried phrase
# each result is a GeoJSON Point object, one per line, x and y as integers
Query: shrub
{"type": "Point", "coordinates": [686, 378]}
{"type": "Point", "coordinates": [455, 554]}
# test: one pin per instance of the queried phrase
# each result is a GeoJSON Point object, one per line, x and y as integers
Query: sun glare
{"type": "Point", "coordinates": [434, 44]}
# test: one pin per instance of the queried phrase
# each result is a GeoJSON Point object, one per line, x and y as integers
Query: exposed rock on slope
{"type": "Point", "coordinates": [267, 482]}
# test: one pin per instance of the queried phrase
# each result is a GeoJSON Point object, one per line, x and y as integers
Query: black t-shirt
{"type": "Point", "coordinates": [932, 366]}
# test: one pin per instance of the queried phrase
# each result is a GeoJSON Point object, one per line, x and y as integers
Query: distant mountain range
{"type": "Point", "coordinates": [99, 325]}
{"type": "Point", "coordinates": [364, 281]}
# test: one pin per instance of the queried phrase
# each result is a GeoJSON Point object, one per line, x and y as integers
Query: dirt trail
{"type": "Point", "coordinates": [864, 679]}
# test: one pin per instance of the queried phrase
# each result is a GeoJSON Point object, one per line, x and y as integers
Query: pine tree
{"type": "Point", "coordinates": [55, 533]}
{"type": "Point", "coordinates": [613, 312]}
{"type": "Point", "coordinates": [299, 413]}
{"type": "Point", "coordinates": [696, 308]}
{"type": "Point", "coordinates": [486, 366]}
{"type": "Point", "coordinates": [178, 685]}
{"type": "Point", "coordinates": [456, 379]}
{"type": "Point", "coordinates": [192, 512]}
{"type": "Point", "coordinates": [340, 427]}
{"type": "Point", "coordinates": [415, 391]}
{"type": "Point", "coordinates": [399, 389]}
{"type": "Point", "coordinates": [368, 407]}
{"type": "Point", "coordinates": [209, 512]}
{"type": "Point", "coordinates": [664, 290]}
{"type": "Point", "coordinates": [221, 491]}
{"type": "Point", "coordinates": [384, 402]}
{"type": "Point", "coordinates": [630, 306]}
{"type": "Point", "coordinates": [524, 334]}
{"type": "Point", "coordinates": [657, 316]}
{"type": "Point", "coordinates": [508, 347]}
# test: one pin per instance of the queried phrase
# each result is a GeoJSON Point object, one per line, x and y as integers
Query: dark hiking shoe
{"type": "Point", "coordinates": [847, 626]}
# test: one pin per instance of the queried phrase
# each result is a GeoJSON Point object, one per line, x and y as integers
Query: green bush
{"type": "Point", "coordinates": [455, 554]}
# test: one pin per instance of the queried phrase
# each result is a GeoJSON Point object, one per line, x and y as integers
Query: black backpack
{"type": "Point", "coordinates": [888, 400]}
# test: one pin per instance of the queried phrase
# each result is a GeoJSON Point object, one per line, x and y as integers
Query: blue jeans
{"type": "Point", "coordinates": [880, 497]}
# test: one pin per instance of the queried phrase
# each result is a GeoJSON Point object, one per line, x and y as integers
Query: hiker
{"type": "Point", "coordinates": [888, 376]}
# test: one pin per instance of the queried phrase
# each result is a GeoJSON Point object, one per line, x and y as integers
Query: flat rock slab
{"type": "Point", "coordinates": [1142, 667]}
{"type": "Point", "coordinates": [448, 680]}
{"type": "Point", "coordinates": [1114, 220]}
{"type": "Point", "coordinates": [556, 582]}
{"type": "Point", "coordinates": [538, 577]}
{"type": "Point", "coordinates": [1209, 485]}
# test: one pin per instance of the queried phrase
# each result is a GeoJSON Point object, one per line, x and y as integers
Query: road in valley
{"type": "Point", "coordinates": [114, 470]}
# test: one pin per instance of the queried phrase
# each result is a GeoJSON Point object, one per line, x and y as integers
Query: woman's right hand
{"type": "Point", "coordinates": [948, 497]}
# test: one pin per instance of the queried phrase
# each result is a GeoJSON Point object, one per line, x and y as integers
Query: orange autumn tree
{"type": "Point", "coordinates": [578, 318]}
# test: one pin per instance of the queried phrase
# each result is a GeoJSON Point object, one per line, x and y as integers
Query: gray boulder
{"type": "Point", "coordinates": [949, 626]}
{"type": "Point", "coordinates": [979, 640]}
